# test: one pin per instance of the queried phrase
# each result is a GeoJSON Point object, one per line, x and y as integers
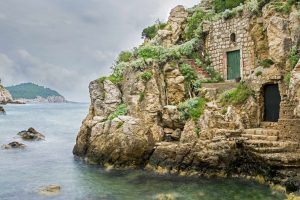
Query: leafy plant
{"type": "Point", "coordinates": [215, 76]}
{"type": "Point", "coordinates": [193, 23]}
{"type": "Point", "coordinates": [124, 56]}
{"type": "Point", "coordinates": [102, 79]}
{"type": "Point", "coordinates": [287, 78]}
{"type": "Point", "coordinates": [222, 5]}
{"type": "Point", "coordinates": [258, 73]}
{"type": "Point", "coordinates": [228, 14]}
{"type": "Point", "coordinates": [253, 6]}
{"type": "Point", "coordinates": [141, 96]}
{"type": "Point", "coordinates": [237, 95]}
{"type": "Point", "coordinates": [150, 51]}
{"type": "Point", "coordinates": [120, 110]}
{"type": "Point", "coordinates": [266, 63]}
{"type": "Point", "coordinates": [151, 31]}
{"type": "Point", "coordinates": [294, 56]}
{"type": "Point", "coordinates": [192, 108]}
{"type": "Point", "coordinates": [189, 76]}
{"type": "Point", "coordinates": [117, 76]}
{"type": "Point", "coordinates": [187, 49]}
{"type": "Point", "coordinates": [146, 76]}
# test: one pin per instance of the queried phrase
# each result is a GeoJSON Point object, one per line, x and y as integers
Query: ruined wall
{"type": "Point", "coordinates": [218, 42]}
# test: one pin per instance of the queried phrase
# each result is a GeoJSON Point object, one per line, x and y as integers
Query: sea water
{"type": "Point", "coordinates": [23, 172]}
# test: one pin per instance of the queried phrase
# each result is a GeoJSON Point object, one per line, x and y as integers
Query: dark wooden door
{"type": "Point", "coordinates": [272, 103]}
{"type": "Point", "coordinates": [233, 65]}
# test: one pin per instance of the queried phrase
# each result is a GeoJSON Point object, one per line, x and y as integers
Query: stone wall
{"type": "Point", "coordinates": [218, 42]}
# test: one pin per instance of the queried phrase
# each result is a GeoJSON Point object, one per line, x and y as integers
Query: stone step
{"type": "Point", "coordinates": [260, 137]}
{"type": "Point", "coordinates": [289, 159]}
{"type": "Point", "coordinates": [266, 150]}
{"type": "Point", "coordinates": [262, 131]}
{"type": "Point", "coordinates": [269, 125]}
{"type": "Point", "coordinates": [229, 133]}
{"type": "Point", "coordinates": [265, 143]}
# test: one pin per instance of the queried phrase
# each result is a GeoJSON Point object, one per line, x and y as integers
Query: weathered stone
{"type": "Point", "coordinates": [14, 145]}
{"type": "Point", "coordinates": [31, 134]}
{"type": "Point", "coordinates": [50, 190]}
{"type": "Point", "coordinates": [5, 96]}
{"type": "Point", "coordinates": [2, 111]}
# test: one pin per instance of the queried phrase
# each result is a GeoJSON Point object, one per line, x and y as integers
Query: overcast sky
{"type": "Point", "coordinates": [64, 44]}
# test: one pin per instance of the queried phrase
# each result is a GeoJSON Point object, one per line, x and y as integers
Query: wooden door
{"type": "Point", "coordinates": [233, 65]}
{"type": "Point", "coordinates": [271, 103]}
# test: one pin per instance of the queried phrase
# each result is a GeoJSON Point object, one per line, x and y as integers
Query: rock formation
{"type": "Point", "coordinates": [5, 96]}
{"type": "Point", "coordinates": [14, 145]}
{"type": "Point", "coordinates": [31, 134]}
{"type": "Point", "coordinates": [161, 112]}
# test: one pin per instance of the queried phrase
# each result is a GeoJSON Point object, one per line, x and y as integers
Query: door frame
{"type": "Point", "coordinates": [225, 71]}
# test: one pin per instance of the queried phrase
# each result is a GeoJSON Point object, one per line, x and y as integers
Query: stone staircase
{"type": "Point", "coordinates": [265, 143]}
{"type": "Point", "coordinates": [202, 74]}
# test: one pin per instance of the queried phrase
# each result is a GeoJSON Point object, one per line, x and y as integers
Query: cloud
{"type": "Point", "coordinates": [65, 44]}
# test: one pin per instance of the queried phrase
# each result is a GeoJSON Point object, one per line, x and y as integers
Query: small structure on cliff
{"type": "Point", "coordinates": [173, 105]}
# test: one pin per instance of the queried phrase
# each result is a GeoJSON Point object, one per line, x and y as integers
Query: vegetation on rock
{"type": "Point", "coordinates": [222, 5]}
{"type": "Point", "coordinates": [294, 56]}
{"type": "Point", "coordinates": [151, 31]}
{"type": "Point", "coordinates": [120, 110]}
{"type": "Point", "coordinates": [124, 56]}
{"type": "Point", "coordinates": [266, 63]}
{"type": "Point", "coordinates": [146, 76]}
{"type": "Point", "coordinates": [237, 95]}
{"type": "Point", "coordinates": [192, 108]}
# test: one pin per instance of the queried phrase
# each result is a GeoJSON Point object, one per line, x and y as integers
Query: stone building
{"type": "Point", "coordinates": [230, 47]}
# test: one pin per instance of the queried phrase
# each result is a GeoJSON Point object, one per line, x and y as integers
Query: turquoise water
{"type": "Point", "coordinates": [51, 161]}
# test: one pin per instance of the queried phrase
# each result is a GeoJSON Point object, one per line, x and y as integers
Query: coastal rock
{"type": "Point", "coordinates": [5, 96]}
{"type": "Point", "coordinates": [2, 111]}
{"type": "Point", "coordinates": [31, 134]}
{"type": "Point", "coordinates": [14, 145]}
{"type": "Point", "coordinates": [222, 134]}
{"type": "Point", "coordinates": [49, 190]}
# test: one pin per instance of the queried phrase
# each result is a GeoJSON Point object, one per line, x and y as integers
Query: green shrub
{"type": "Point", "coordinates": [146, 76]}
{"type": "Point", "coordinates": [124, 56]}
{"type": "Point", "coordinates": [193, 23]}
{"type": "Point", "coordinates": [120, 124]}
{"type": "Point", "coordinates": [253, 6]}
{"type": "Point", "coordinates": [151, 31]}
{"type": "Point", "coordinates": [266, 63]}
{"type": "Point", "coordinates": [258, 73]}
{"type": "Point", "coordinates": [150, 51]}
{"type": "Point", "coordinates": [187, 49]}
{"type": "Point", "coordinates": [192, 108]}
{"type": "Point", "coordinates": [102, 79]}
{"type": "Point", "coordinates": [141, 96]}
{"type": "Point", "coordinates": [197, 84]}
{"type": "Point", "coordinates": [117, 75]}
{"type": "Point", "coordinates": [120, 110]}
{"type": "Point", "coordinates": [222, 5]}
{"type": "Point", "coordinates": [237, 95]}
{"type": "Point", "coordinates": [294, 56]}
{"type": "Point", "coordinates": [215, 76]}
{"type": "Point", "coordinates": [138, 63]}
{"type": "Point", "coordinates": [287, 78]}
{"type": "Point", "coordinates": [188, 72]}
{"type": "Point", "coordinates": [228, 14]}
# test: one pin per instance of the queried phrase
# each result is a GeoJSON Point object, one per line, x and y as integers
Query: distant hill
{"type": "Point", "coordinates": [31, 91]}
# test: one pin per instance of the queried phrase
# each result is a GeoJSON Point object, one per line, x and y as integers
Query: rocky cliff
{"type": "Point", "coordinates": [5, 96]}
{"type": "Point", "coordinates": [167, 109]}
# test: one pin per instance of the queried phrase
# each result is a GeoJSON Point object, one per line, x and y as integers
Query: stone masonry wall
{"type": "Point", "coordinates": [218, 42]}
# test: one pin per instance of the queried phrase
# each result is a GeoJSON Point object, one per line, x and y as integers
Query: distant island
{"type": "Point", "coordinates": [33, 93]}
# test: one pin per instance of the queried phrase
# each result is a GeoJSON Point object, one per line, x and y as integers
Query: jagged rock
{"type": "Point", "coordinates": [49, 190]}
{"type": "Point", "coordinates": [31, 134]}
{"type": "Point", "coordinates": [120, 142]}
{"type": "Point", "coordinates": [5, 96]}
{"type": "Point", "coordinates": [2, 111]}
{"type": "Point", "coordinates": [295, 88]}
{"type": "Point", "coordinates": [14, 145]}
{"type": "Point", "coordinates": [278, 38]}
{"type": "Point", "coordinates": [176, 22]}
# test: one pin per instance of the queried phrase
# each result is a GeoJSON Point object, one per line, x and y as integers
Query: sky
{"type": "Point", "coordinates": [65, 44]}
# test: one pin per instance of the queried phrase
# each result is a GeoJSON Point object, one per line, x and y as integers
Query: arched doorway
{"type": "Point", "coordinates": [272, 101]}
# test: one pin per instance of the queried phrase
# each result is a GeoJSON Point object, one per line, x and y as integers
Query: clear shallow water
{"type": "Point", "coordinates": [51, 161]}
